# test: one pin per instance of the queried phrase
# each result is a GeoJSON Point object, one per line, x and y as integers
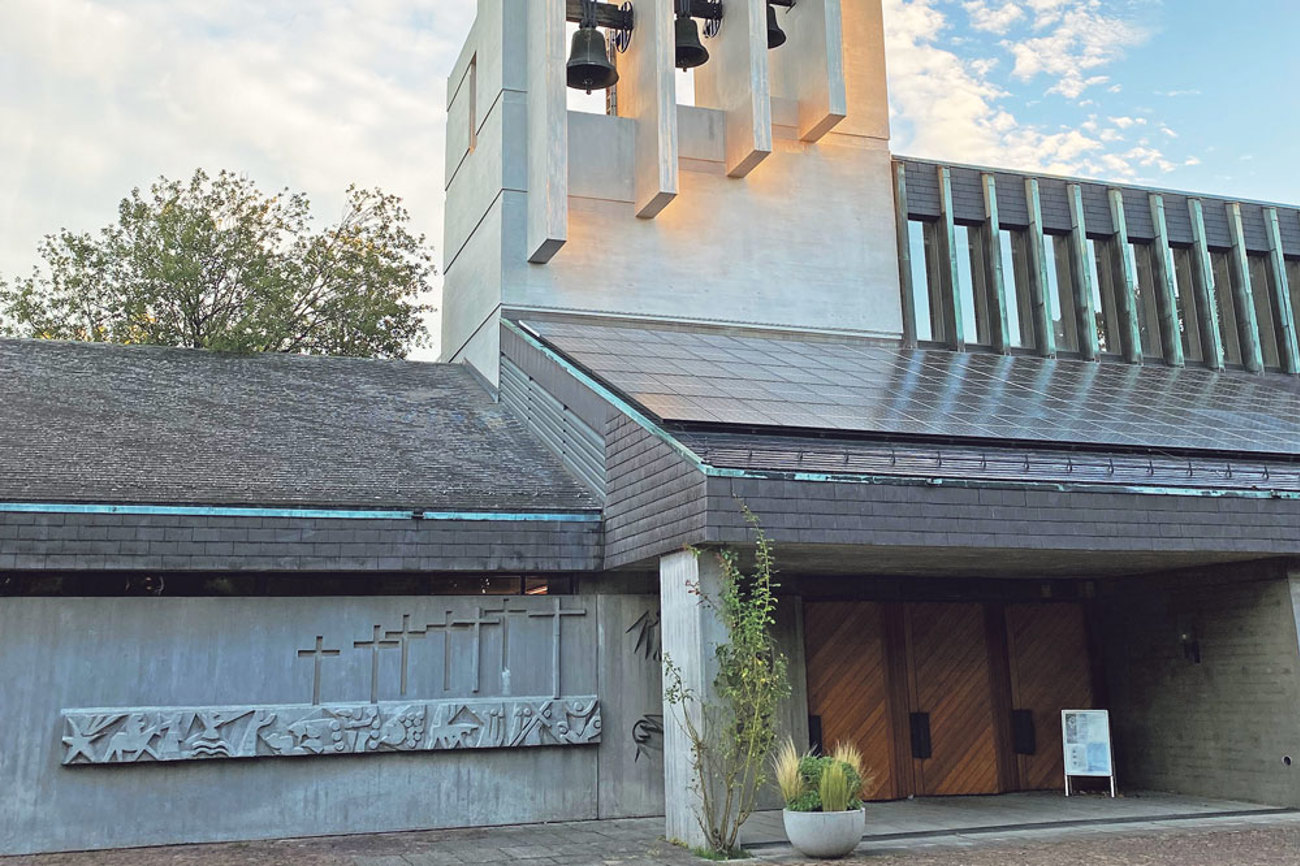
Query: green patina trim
{"type": "Point", "coordinates": [297, 513]}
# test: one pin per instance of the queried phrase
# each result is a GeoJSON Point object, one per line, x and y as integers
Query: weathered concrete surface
{"type": "Point", "coordinates": [691, 634]}
{"type": "Point", "coordinates": [121, 652]}
{"type": "Point", "coordinates": [632, 742]}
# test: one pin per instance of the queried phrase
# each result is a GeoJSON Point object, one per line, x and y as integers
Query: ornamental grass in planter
{"type": "Point", "coordinates": [823, 815]}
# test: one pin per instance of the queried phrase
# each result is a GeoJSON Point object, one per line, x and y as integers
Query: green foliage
{"type": "Point", "coordinates": [732, 734]}
{"type": "Point", "coordinates": [834, 787]}
{"type": "Point", "coordinates": [215, 263]}
{"type": "Point", "coordinates": [844, 791]}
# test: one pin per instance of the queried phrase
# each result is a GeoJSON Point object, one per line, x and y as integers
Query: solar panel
{"type": "Point", "coordinates": [868, 386]}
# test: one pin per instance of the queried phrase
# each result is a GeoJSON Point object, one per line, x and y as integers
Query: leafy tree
{"type": "Point", "coordinates": [216, 263]}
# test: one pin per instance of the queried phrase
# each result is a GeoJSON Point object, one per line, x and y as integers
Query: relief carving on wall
{"type": "Point", "coordinates": [133, 735]}
{"type": "Point", "coordinates": [297, 730]}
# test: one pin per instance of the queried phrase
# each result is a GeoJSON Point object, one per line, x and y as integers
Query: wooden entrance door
{"type": "Point", "coordinates": [849, 686]}
{"type": "Point", "coordinates": [1051, 670]}
{"type": "Point", "coordinates": [950, 684]}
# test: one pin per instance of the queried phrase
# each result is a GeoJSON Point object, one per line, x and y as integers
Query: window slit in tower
{"type": "Point", "coordinates": [1189, 317]}
{"type": "Point", "coordinates": [1105, 294]}
{"type": "Point", "coordinates": [971, 288]}
{"type": "Point", "coordinates": [920, 241]}
{"type": "Point", "coordinates": [1015, 277]}
{"type": "Point", "coordinates": [1262, 295]}
{"type": "Point", "coordinates": [1228, 332]}
{"type": "Point", "coordinates": [1293, 283]}
{"type": "Point", "coordinates": [1147, 302]}
{"type": "Point", "coordinates": [1060, 296]}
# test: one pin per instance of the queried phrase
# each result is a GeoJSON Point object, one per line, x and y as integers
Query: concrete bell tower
{"type": "Point", "coordinates": [768, 204]}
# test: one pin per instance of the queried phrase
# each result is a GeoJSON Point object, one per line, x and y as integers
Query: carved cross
{"type": "Point", "coordinates": [480, 619]}
{"type": "Point", "coordinates": [555, 614]}
{"type": "Point", "coordinates": [375, 644]}
{"type": "Point", "coordinates": [317, 654]}
{"type": "Point", "coordinates": [404, 637]}
{"type": "Point", "coordinates": [505, 610]}
{"type": "Point", "coordinates": [443, 627]}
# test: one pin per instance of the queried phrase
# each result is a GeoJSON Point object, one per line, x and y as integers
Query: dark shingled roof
{"type": "Point", "coordinates": [876, 388]}
{"type": "Point", "coordinates": [123, 424]}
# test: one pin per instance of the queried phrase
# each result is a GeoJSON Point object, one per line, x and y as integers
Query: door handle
{"type": "Point", "coordinates": [1023, 733]}
{"type": "Point", "coordinates": [815, 735]}
{"type": "Point", "coordinates": [920, 724]}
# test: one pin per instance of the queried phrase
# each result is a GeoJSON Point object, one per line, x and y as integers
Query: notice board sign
{"type": "Point", "coordinates": [1085, 738]}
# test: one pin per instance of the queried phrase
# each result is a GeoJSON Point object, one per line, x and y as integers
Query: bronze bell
{"type": "Point", "coordinates": [775, 35]}
{"type": "Point", "coordinates": [690, 51]}
{"type": "Point", "coordinates": [589, 67]}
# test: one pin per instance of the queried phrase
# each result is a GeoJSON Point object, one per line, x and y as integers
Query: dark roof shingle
{"type": "Point", "coordinates": [124, 424]}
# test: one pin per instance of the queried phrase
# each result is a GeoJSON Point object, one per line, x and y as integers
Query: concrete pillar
{"type": "Point", "coordinates": [691, 632]}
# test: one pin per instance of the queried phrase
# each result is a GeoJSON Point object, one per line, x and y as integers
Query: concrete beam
{"type": "Point", "coordinates": [1081, 277]}
{"type": "Point", "coordinates": [1280, 294]}
{"type": "Point", "coordinates": [1034, 241]}
{"type": "Point", "coordinates": [949, 312]}
{"type": "Point", "coordinates": [1203, 286]}
{"type": "Point", "coordinates": [995, 288]}
{"type": "Point", "coordinates": [736, 81]}
{"type": "Point", "coordinates": [903, 230]}
{"type": "Point", "coordinates": [1166, 286]}
{"type": "Point", "coordinates": [1252, 354]}
{"type": "Point", "coordinates": [691, 632]}
{"type": "Point", "coordinates": [647, 94]}
{"type": "Point", "coordinates": [548, 132]}
{"type": "Point", "coordinates": [1125, 281]}
{"type": "Point", "coordinates": [809, 67]}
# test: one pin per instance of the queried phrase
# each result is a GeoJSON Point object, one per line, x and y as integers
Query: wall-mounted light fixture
{"type": "Point", "coordinates": [589, 67]}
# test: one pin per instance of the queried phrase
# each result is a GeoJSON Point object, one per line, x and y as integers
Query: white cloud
{"type": "Point", "coordinates": [1077, 37]}
{"type": "Point", "coordinates": [946, 106]}
{"type": "Point", "coordinates": [98, 96]}
{"type": "Point", "coordinates": [996, 19]}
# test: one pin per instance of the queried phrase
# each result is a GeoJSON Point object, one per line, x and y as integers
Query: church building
{"type": "Point", "coordinates": [1022, 444]}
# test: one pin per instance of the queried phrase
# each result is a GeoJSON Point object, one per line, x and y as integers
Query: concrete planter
{"type": "Point", "coordinates": [824, 835]}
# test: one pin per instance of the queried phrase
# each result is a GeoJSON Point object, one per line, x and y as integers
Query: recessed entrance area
{"type": "Point", "coordinates": [921, 819]}
{"type": "Point", "coordinates": [948, 697]}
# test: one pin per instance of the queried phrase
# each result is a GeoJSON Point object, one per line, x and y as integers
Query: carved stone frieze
{"type": "Point", "coordinates": [124, 736]}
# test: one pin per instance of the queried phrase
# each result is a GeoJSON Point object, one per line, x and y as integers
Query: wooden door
{"type": "Point", "coordinates": [848, 685]}
{"type": "Point", "coordinates": [947, 647]}
{"type": "Point", "coordinates": [1051, 670]}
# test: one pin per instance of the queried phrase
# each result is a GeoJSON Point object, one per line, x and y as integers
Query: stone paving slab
{"type": "Point", "coordinates": [965, 814]}
{"type": "Point", "coordinates": [1260, 839]}
{"type": "Point", "coordinates": [1265, 840]}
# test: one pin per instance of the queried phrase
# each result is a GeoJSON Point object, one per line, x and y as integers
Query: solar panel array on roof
{"type": "Point", "coordinates": [866, 386]}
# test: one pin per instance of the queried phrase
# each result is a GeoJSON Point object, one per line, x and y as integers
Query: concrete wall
{"type": "Point", "coordinates": [804, 240]}
{"type": "Point", "coordinates": [1220, 728]}
{"type": "Point", "coordinates": [62, 653]}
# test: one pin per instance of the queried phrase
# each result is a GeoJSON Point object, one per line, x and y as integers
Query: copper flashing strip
{"type": "Point", "coordinates": [1081, 277]}
{"type": "Point", "coordinates": [1203, 286]}
{"type": "Point", "coordinates": [1166, 284]}
{"type": "Point", "coordinates": [995, 288]}
{"type": "Point", "coordinates": [1252, 353]}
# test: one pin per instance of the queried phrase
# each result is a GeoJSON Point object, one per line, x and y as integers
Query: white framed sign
{"type": "Point", "coordinates": [1085, 739]}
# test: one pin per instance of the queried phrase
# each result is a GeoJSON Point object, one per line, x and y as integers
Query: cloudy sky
{"type": "Point", "coordinates": [98, 96]}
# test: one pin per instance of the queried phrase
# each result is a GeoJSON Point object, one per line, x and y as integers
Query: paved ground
{"type": "Point", "coordinates": [1257, 840]}
{"type": "Point", "coordinates": [936, 815]}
